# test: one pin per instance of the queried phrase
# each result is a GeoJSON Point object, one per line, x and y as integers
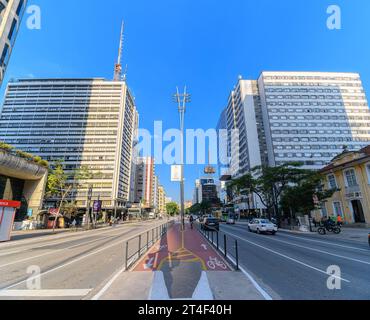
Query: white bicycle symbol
{"type": "Point", "coordinates": [214, 262]}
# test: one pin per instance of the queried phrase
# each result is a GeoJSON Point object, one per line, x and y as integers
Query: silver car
{"type": "Point", "coordinates": [262, 226]}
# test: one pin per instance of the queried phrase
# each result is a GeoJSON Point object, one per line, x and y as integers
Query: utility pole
{"type": "Point", "coordinates": [181, 100]}
{"type": "Point", "coordinates": [89, 197]}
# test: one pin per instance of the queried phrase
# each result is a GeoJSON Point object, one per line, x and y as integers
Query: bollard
{"type": "Point", "coordinates": [153, 237]}
{"type": "Point", "coordinates": [225, 248]}
{"type": "Point", "coordinates": [126, 255]}
{"type": "Point", "coordinates": [217, 242]}
{"type": "Point", "coordinates": [139, 246]}
{"type": "Point", "coordinates": [236, 254]}
{"type": "Point", "coordinates": [147, 240]}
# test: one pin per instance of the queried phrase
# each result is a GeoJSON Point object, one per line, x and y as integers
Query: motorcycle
{"type": "Point", "coordinates": [336, 229]}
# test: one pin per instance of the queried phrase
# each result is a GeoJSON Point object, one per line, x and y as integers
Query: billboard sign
{"type": "Point", "coordinates": [176, 173]}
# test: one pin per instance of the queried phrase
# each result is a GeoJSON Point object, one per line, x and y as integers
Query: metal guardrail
{"type": "Point", "coordinates": [137, 246]}
{"type": "Point", "coordinates": [226, 245]}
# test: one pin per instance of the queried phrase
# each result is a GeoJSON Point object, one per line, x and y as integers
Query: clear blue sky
{"type": "Point", "coordinates": [205, 44]}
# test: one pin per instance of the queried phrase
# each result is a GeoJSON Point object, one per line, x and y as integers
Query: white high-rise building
{"type": "Point", "coordinates": [311, 116]}
{"type": "Point", "coordinates": [11, 12]}
{"type": "Point", "coordinates": [307, 117]}
{"type": "Point", "coordinates": [297, 116]}
{"type": "Point", "coordinates": [82, 122]}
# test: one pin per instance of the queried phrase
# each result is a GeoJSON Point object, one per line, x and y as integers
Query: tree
{"type": "Point", "coordinates": [205, 207]}
{"type": "Point", "coordinates": [300, 198]}
{"type": "Point", "coordinates": [195, 209]}
{"type": "Point", "coordinates": [269, 183]}
{"type": "Point", "coordinates": [61, 186]}
{"type": "Point", "coordinates": [172, 208]}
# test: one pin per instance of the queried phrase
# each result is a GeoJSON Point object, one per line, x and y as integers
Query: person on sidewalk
{"type": "Point", "coordinates": [191, 219]}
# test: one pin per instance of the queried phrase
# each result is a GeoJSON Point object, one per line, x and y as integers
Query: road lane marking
{"type": "Point", "coordinates": [66, 238]}
{"type": "Point", "coordinates": [321, 251]}
{"type": "Point", "coordinates": [264, 294]}
{"type": "Point", "coordinates": [308, 239]}
{"type": "Point", "coordinates": [51, 252]}
{"type": "Point", "coordinates": [70, 262]}
{"type": "Point", "coordinates": [329, 243]}
{"type": "Point", "coordinates": [108, 285]}
{"type": "Point", "coordinates": [286, 257]}
{"type": "Point", "coordinates": [44, 293]}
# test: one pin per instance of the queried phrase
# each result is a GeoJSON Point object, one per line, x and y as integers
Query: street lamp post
{"type": "Point", "coordinates": [181, 100]}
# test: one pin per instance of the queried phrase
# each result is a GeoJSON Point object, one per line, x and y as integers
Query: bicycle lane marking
{"type": "Point", "coordinates": [195, 243]}
{"type": "Point", "coordinates": [188, 247]}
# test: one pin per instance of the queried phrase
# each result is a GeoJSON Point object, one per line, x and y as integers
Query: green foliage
{"type": "Point", "coordinates": [24, 155]}
{"type": "Point", "coordinates": [300, 197]}
{"type": "Point", "coordinates": [172, 208]}
{"type": "Point", "coordinates": [268, 183]}
{"type": "Point", "coordinates": [195, 209]}
{"type": "Point", "coordinates": [5, 146]}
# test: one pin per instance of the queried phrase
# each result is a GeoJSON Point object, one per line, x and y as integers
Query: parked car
{"type": "Point", "coordinates": [262, 226]}
{"type": "Point", "coordinates": [211, 224]}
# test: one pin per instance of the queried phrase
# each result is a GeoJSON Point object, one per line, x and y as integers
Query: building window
{"type": "Point", "coordinates": [368, 172]}
{"type": "Point", "coordinates": [332, 181]}
{"type": "Point", "coordinates": [324, 212]}
{"type": "Point", "coordinates": [337, 209]}
{"type": "Point", "coordinates": [350, 177]}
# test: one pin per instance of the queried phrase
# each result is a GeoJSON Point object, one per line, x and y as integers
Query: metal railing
{"type": "Point", "coordinates": [226, 245]}
{"type": "Point", "coordinates": [137, 246]}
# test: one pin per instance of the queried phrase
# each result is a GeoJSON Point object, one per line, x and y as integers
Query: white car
{"type": "Point", "coordinates": [262, 226]}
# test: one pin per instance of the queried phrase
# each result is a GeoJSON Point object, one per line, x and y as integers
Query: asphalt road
{"type": "Point", "coordinates": [72, 265]}
{"type": "Point", "coordinates": [294, 267]}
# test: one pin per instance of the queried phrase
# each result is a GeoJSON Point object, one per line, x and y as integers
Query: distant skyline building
{"type": "Point", "coordinates": [145, 182]}
{"type": "Point", "coordinates": [11, 13]}
{"type": "Point", "coordinates": [83, 122]}
{"type": "Point", "coordinates": [206, 190]}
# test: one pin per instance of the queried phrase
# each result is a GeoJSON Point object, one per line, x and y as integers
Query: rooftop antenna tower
{"type": "Point", "coordinates": [118, 65]}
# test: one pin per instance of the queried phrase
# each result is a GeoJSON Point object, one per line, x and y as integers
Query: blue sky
{"type": "Point", "coordinates": [203, 44]}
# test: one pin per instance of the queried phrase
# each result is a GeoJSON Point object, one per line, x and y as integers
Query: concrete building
{"type": "Point", "coordinates": [349, 173]}
{"type": "Point", "coordinates": [162, 200]}
{"type": "Point", "coordinates": [295, 116]}
{"type": "Point", "coordinates": [22, 180]}
{"type": "Point", "coordinates": [83, 122]}
{"type": "Point", "coordinates": [310, 116]}
{"type": "Point", "coordinates": [145, 182]}
{"type": "Point", "coordinates": [206, 190]}
{"type": "Point", "coordinates": [11, 12]}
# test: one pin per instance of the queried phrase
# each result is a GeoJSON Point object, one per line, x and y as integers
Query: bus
{"type": "Point", "coordinates": [229, 215]}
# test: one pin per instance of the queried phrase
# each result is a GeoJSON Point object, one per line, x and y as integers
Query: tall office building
{"type": "Point", "coordinates": [298, 116]}
{"type": "Point", "coordinates": [83, 122]}
{"type": "Point", "coordinates": [11, 12]}
{"type": "Point", "coordinates": [311, 116]}
{"type": "Point", "coordinates": [295, 116]}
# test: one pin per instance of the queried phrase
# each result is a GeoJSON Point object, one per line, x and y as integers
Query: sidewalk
{"type": "Point", "coordinates": [182, 265]}
{"type": "Point", "coordinates": [349, 234]}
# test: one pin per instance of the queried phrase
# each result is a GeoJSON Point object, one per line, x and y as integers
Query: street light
{"type": "Point", "coordinates": [181, 100]}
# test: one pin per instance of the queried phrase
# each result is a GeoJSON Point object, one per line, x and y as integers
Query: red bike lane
{"type": "Point", "coordinates": [182, 246]}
